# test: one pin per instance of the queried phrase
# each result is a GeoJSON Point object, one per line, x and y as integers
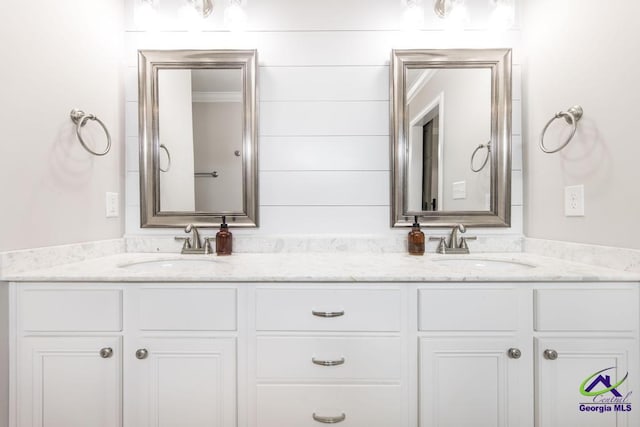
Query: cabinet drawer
{"type": "Point", "coordinates": [294, 406]}
{"type": "Point", "coordinates": [327, 310]}
{"type": "Point", "coordinates": [585, 310]}
{"type": "Point", "coordinates": [187, 309]}
{"type": "Point", "coordinates": [348, 358]}
{"type": "Point", "coordinates": [468, 310]}
{"type": "Point", "coordinates": [74, 310]}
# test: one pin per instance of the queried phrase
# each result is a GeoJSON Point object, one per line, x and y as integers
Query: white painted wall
{"type": "Point", "coordinates": [583, 52]}
{"type": "Point", "coordinates": [57, 56]}
{"type": "Point", "coordinates": [324, 107]}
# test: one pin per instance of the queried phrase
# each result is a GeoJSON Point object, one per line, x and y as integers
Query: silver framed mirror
{"type": "Point", "coordinates": [198, 137]}
{"type": "Point", "coordinates": [451, 137]}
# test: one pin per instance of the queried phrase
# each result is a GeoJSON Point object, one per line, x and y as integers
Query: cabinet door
{"type": "Point", "coordinates": [568, 366]}
{"type": "Point", "coordinates": [181, 382]}
{"type": "Point", "coordinates": [69, 382]}
{"type": "Point", "coordinates": [475, 382]}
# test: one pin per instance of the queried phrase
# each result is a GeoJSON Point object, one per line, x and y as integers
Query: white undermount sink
{"type": "Point", "coordinates": [483, 264]}
{"type": "Point", "coordinates": [169, 264]}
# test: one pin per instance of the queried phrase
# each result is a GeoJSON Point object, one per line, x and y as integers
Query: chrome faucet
{"type": "Point", "coordinates": [194, 245]}
{"type": "Point", "coordinates": [454, 245]}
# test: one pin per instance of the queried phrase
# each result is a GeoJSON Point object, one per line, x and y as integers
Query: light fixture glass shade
{"type": "Point", "coordinates": [235, 19]}
{"type": "Point", "coordinates": [413, 15]}
{"type": "Point", "coordinates": [145, 14]}
{"type": "Point", "coordinates": [457, 15]}
{"type": "Point", "coordinates": [502, 16]}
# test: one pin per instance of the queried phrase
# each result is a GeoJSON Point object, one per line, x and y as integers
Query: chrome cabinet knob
{"type": "Point", "coordinates": [514, 353]}
{"type": "Point", "coordinates": [106, 352]}
{"type": "Point", "coordinates": [550, 354]}
{"type": "Point", "coordinates": [329, 420]}
{"type": "Point", "coordinates": [142, 353]}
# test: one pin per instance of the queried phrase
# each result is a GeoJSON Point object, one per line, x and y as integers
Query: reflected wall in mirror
{"type": "Point", "coordinates": [198, 138]}
{"type": "Point", "coordinates": [451, 113]}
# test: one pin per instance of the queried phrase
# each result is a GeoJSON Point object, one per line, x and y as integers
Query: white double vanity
{"type": "Point", "coordinates": [295, 340]}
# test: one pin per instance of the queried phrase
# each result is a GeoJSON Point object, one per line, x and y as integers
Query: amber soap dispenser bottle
{"type": "Point", "coordinates": [416, 239]}
{"type": "Point", "coordinates": [224, 239]}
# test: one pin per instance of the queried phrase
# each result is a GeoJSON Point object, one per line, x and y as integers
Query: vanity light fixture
{"type": "Point", "coordinates": [235, 19]}
{"type": "Point", "coordinates": [454, 12]}
{"type": "Point", "coordinates": [502, 16]}
{"type": "Point", "coordinates": [413, 16]}
{"type": "Point", "coordinates": [204, 8]}
{"type": "Point", "coordinates": [145, 14]}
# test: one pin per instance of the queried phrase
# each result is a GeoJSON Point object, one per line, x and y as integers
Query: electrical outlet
{"type": "Point", "coordinates": [112, 208]}
{"type": "Point", "coordinates": [574, 200]}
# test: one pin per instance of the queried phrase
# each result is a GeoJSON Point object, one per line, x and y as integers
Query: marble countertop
{"type": "Point", "coordinates": [323, 267]}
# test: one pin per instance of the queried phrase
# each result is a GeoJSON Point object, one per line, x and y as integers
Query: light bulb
{"type": "Point", "coordinates": [458, 16]}
{"type": "Point", "coordinates": [503, 15]}
{"type": "Point", "coordinates": [413, 16]}
{"type": "Point", "coordinates": [234, 17]}
{"type": "Point", "coordinates": [145, 14]}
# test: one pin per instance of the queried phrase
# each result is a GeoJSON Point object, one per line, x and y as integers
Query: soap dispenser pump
{"type": "Point", "coordinates": [224, 239]}
{"type": "Point", "coordinates": [416, 239]}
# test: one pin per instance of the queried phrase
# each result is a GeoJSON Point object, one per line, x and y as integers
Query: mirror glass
{"type": "Point", "coordinates": [451, 136]}
{"type": "Point", "coordinates": [198, 138]}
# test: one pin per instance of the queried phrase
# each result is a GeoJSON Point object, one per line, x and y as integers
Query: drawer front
{"type": "Point", "coordinates": [295, 406]}
{"type": "Point", "coordinates": [585, 310]}
{"type": "Point", "coordinates": [326, 358]}
{"type": "Point", "coordinates": [335, 310]}
{"type": "Point", "coordinates": [468, 310]}
{"type": "Point", "coordinates": [70, 310]}
{"type": "Point", "coordinates": [187, 309]}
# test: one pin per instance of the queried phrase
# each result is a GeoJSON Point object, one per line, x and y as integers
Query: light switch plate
{"type": "Point", "coordinates": [459, 190]}
{"type": "Point", "coordinates": [574, 200]}
{"type": "Point", "coordinates": [112, 205]}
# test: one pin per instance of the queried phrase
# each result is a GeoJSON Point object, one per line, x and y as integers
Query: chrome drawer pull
{"type": "Point", "coordinates": [328, 362]}
{"type": "Point", "coordinates": [329, 420]}
{"type": "Point", "coordinates": [328, 313]}
{"type": "Point", "coordinates": [550, 354]}
{"type": "Point", "coordinates": [106, 352]}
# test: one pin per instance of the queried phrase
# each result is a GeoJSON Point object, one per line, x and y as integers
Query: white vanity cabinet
{"type": "Point", "coordinates": [310, 354]}
{"type": "Point", "coordinates": [475, 360]}
{"type": "Point", "coordinates": [517, 355]}
{"type": "Point", "coordinates": [68, 360]}
{"type": "Point", "coordinates": [329, 355]}
{"type": "Point", "coordinates": [108, 355]}
{"type": "Point", "coordinates": [580, 333]}
{"type": "Point", "coordinates": [180, 365]}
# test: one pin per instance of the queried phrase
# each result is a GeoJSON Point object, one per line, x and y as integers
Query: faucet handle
{"type": "Point", "coordinates": [441, 244]}
{"type": "Point", "coordinates": [463, 241]}
{"type": "Point", "coordinates": [207, 244]}
{"type": "Point", "coordinates": [187, 242]}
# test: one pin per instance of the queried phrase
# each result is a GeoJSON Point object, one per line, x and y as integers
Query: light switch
{"type": "Point", "coordinates": [574, 200]}
{"type": "Point", "coordinates": [112, 205]}
{"type": "Point", "coordinates": [459, 190]}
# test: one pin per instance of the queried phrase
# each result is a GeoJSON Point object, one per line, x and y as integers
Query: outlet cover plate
{"type": "Point", "coordinates": [574, 200]}
{"type": "Point", "coordinates": [112, 205]}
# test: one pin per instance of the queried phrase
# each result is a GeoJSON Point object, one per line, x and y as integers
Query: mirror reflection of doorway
{"type": "Point", "coordinates": [430, 164]}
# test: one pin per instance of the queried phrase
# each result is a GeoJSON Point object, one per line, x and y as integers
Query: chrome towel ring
{"type": "Point", "coordinates": [166, 150]}
{"type": "Point", "coordinates": [80, 119]}
{"type": "Point", "coordinates": [486, 159]}
{"type": "Point", "coordinates": [571, 116]}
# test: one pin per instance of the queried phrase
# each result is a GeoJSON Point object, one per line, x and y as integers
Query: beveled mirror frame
{"type": "Point", "coordinates": [149, 63]}
{"type": "Point", "coordinates": [499, 61]}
